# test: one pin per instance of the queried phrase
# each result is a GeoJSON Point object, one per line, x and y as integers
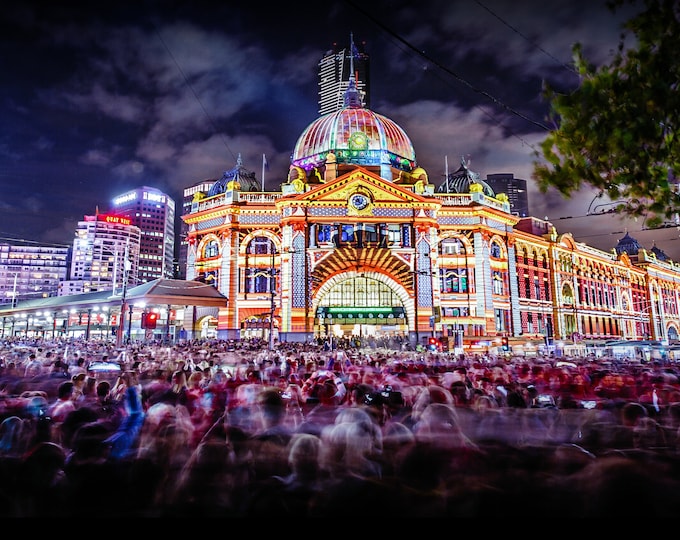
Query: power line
{"type": "Point", "coordinates": [447, 70]}
{"type": "Point", "coordinates": [25, 241]}
{"type": "Point", "coordinates": [533, 44]}
{"type": "Point", "coordinates": [186, 81]}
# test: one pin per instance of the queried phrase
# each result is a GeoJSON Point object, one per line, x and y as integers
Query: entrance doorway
{"type": "Point", "coordinates": [363, 309]}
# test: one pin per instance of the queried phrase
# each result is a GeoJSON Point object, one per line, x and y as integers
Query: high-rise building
{"type": "Point", "coordinates": [335, 69]}
{"type": "Point", "coordinates": [103, 244]}
{"type": "Point", "coordinates": [154, 213]}
{"type": "Point", "coordinates": [514, 188]}
{"type": "Point", "coordinates": [30, 271]}
{"type": "Point", "coordinates": [202, 187]}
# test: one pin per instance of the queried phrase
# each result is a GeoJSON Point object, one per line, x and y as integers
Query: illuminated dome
{"type": "Point", "coordinates": [629, 245]}
{"type": "Point", "coordinates": [356, 136]}
{"type": "Point", "coordinates": [238, 178]}
{"type": "Point", "coordinates": [462, 180]}
{"type": "Point", "coordinates": [660, 253]}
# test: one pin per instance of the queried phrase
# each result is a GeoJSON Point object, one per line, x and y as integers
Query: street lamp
{"type": "Point", "coordinates": [167, 315]}
{"type": "Point", "coordinates": [272, 290]}
{"type": "Point", "coordinates": [98, 254]}
{"type": "Point", "coordinates": [416, 278]}
{"type": "Point", "coordinates": [14, 291]}
{"type": "Point", "coordinates": [129, 328]}
{"type": "Point", "coordinates": [123, 300]}
{"type": "Point", "coordinates": [66, 314]}
{"type": "Point", "coordinates": [107, 319]}
{"type": "Point", "coordinates": [87, 328]}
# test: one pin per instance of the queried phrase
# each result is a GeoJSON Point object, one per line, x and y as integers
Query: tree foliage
{"type": "Point", "coordinates": [618, 131]}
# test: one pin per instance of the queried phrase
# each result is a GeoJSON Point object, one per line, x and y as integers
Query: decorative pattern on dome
{"type": "Point", "coordinates": [660, 253]}
{"type": "Point", "coordinates": [627, 244]}
{"type": "Point", "coordinates": [462, 180]}
{"type": "Point", "coordinates": [237, 178]}
{"type": "Point", "coordinates": [355, 135]}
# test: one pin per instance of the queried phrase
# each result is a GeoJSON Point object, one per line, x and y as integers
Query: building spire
{"type": "Point", "coordinates": [352, 97]}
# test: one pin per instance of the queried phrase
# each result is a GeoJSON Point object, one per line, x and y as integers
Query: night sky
{"type": "Point", "coordinates": [101, 99]}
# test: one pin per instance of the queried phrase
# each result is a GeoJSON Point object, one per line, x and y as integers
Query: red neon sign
{"type": "Point", "coordinates": [111, 218]}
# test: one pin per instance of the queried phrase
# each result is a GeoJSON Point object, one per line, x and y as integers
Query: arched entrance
{"type": "Point", "coordinates": [206, 327]}
{"type": "Point", "coordinates": [364, 307]}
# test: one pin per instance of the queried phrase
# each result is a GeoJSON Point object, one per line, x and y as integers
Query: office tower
{"type": "Point", "coordinates": [102, 244]}
{"type": "Point", "coordinates": [514, 188]}
{"type": "Point", "coordinates": [30, 271]}
{"type": "Point", "coordinates": [188, 194]}
{"type": "Point", "coordinates": [334, 75]}
{"type": "Point", "coordinates": [154, 213]}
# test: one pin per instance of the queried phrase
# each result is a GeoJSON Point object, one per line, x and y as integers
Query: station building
{"type": "Point", "coordinates": [359, 244]}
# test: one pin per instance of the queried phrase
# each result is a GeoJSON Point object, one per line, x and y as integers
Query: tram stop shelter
{"type": "Point", "coordinates": [42, 316]}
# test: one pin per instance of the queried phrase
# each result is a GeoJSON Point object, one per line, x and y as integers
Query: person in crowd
{"type": "Point", "coordinates": [42, 488]}
{"type": "Point", "coordinates": [78, 395]}
{"type": "Point", "coordinates": [270, 440]}
{"type": "Point", "coordinates": [13, 436]}
{"type": "Point", "coordinates": [204, 485]}
{"type": "Point", "coordinates": [77, 366]}
{"type": "Point", "coordinates": [299, 493]}
{"type": "Point", "coordinates": [33, 367]}
{"type": "Point", "coordinates": [64, 403]}
{"type": "Point", "coordinates": [472, 435]}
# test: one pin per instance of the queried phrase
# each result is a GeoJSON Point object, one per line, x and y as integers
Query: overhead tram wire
{"type": "Point", "coordinates": [186, 81]}
{"type": "Point", "coordinates": [532, 43]}
{"type": "Point", "coordinates": [447, 70]}
{"type": "Point", "coordinates": [25, 241]}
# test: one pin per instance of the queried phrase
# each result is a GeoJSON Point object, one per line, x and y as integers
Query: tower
{"type": "Point", "coordinates": [334, 76]}
{"type": "Point", "coordinates": [98, 260]}
{"type": "Point", "coordinates": [514, 188]}
{"type": "Point", "coordinates": [154, 213]}
{"type": "Point", "coordinates": [188, 194]}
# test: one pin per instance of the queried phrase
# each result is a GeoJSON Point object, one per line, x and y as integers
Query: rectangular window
{"type": "Point", "coordinates": [258, 280]}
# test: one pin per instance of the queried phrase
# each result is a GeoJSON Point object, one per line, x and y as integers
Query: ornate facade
{"type": "Point", "coordinates": [358, 255]}
{"type": "Point", "coordinates": [358, 242]}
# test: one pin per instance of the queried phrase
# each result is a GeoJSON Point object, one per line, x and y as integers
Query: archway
{"type": "Point", "coordinates": [206, 327]}
{"type": "Point", "coordinates": [364, 307]}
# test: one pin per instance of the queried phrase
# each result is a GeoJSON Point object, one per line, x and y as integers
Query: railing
{"type": "Point", "coordinates": [264, 197]}
{"type": "Point", "coordinates": [464, 199]}
{"type": "Point", "coordinates": [230, 197]}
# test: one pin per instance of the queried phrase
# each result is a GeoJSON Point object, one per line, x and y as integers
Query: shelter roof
{"type": "Point", "coordinates": [158, 291]}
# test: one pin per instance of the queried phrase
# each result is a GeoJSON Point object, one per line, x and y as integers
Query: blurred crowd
{"type": "Point", "coordinates": [223, 428]}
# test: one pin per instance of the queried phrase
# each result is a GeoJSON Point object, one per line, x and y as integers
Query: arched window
{"type": "Point", "coordinates": [453, 280]}
{"type": "Point", "coordinates": [451, 246]}
{"type": "Point", "coordinates": [261, 245]}
{"type": "Point", "coordinates": [361, 291]}
{"type": "Point", "coordinates": [260, 274]}
{"type": "Point", "coordinates": [497, 282]}
{"type": "Point", "coordinates": [211, 250]}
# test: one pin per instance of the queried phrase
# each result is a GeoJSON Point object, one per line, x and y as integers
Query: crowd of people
{"type": "Point", "coordinates": [224, 428]}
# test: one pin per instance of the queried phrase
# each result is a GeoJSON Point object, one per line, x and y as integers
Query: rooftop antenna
{"type": "Point", "coordinates": [352, 98]}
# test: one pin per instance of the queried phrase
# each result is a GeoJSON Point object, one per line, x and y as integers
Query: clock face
{"type": "Point", "coordinates": [359, 201]}
{"type": "Point", "coordinates": [358, 141]}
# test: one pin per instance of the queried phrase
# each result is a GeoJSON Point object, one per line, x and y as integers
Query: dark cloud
{"type": "Point", "coordinates": [97, 100]}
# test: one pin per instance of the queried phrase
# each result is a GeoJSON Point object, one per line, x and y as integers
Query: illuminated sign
{"type": "Point", "coordinates": [338, 309]}
{"type": "Point", "coordinates": [110, 218]}
{"type": "Point", "coordinates": [154, 197]}
{"type": "Point", "coordinates": [347, 312]}
{"type": "Point", "coordinates": [125, 198]}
